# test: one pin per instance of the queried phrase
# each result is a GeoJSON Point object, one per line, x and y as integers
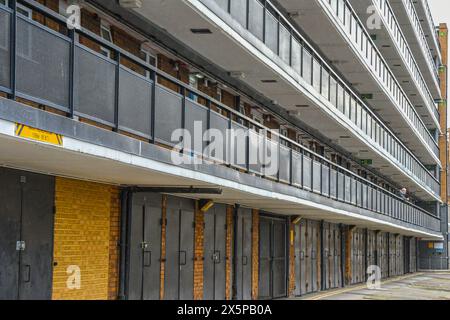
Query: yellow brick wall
{"type": "Point", "coordinates": [82, 237]}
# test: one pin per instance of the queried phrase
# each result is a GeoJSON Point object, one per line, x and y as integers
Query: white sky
{"type": "Point", "coordinates": [441, 13]}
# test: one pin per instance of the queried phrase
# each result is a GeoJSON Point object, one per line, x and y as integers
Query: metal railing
{"type": "Point", "coordinates": [59, 71]}
{"type": "Point", "coordinates": [269, 26]}
{"type": "Point", "coordinates": [431, 25]}
{"type": "Point", "coordinates": [423, 43]}
{"type": "Point", "coordinates": [344, 15]}
{"type": "Point", "coordinates": [397, 35]}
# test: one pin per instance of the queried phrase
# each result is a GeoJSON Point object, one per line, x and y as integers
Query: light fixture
{"type": "Point", "coordinates": [297, 220]}
{"type": "Point", "coordinates": [205, 204]}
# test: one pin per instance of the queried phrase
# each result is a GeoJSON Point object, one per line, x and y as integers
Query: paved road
{"type": "Point", "coordinates": [420, 286]}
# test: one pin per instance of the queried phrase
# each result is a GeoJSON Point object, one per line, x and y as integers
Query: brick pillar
{"type": "Point", "coordinates": [348, 255]}
{"type": "Point", "coordinates": [255, 253]}
{"type": "Point", "coordinates": [163, 245]}
{"type": "Point", "coordinates": [291, 290]}
{"type": "Point", "coordinates": [229, 253]}
{"type": "Point", "coordinates": [198, 252]}
{"type": "Point", "coordinates": [114, 238]}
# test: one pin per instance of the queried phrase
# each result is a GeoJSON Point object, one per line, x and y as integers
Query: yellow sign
{"type": "Point", "coordinates": [27, 132]}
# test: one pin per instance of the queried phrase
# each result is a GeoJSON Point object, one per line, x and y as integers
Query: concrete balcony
{"type": "Point", "coordinates": [393, 44]}
{"type": "Point", "coordinates": [337, 30]}
{"type": "Point", "coordinates": [429, 28]}
{"type": "Point", "coordinates": [427, 59]}
{"type": "Point", "coordinates": [349, 121]}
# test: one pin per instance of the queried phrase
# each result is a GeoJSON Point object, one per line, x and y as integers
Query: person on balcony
{"type": "Point", "coordinates": [404, 194]}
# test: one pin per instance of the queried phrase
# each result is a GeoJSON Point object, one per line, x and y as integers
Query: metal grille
{"type": "Point", "coordinates": [5, 67]}
{"type": "Point", "coordinates": [238, 9]}
{"type": "Point", "coordinates": [134, 103]}
{"type": "Point", "coordinates": [196, 120]}
{"type": "Point", "coordinates": [255, 18]}
{"type": "Point", "coordinates": [94, 86]}
{"type": "Point", "coordinates": [168, 112]}
{"type": "Point", "coordinates": [42, 64]}
{"type": "Point", "coordinates": [219, 124]}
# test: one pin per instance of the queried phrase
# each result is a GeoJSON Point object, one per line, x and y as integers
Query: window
{"type": "Point", "coordinates": [4, 2]}
{"type": "Point", "coordinates": [193, 82]}
{"type": "Point", "coordinates": [27, 12]}
{"type": "Point", "coordinates": [105, 33]}
{"type": "Point", "coordinates": [150, 59]}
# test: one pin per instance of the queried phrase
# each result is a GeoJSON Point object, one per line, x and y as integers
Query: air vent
{"type": "Point", "coordinates": [269, 81]}
{"type": "Point", "coordinates": [302, 106]}
{"type": "Point", "coordinates": [201, 31]}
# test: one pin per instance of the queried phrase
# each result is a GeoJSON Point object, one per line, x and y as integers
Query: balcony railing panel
{"type": "Point", "coordinates": [285, 164]}
{"type": "Point", "coordinates": [196, 118]}
{"type": "Point", "coordinates": [297, 169]}
{"type": "Point", "coordinates": [238, 147]}
{"type": "Point", "coordinates": [45, 55]}
{"type": "Point", "coordinates": [94, 86]}
{"type": "Point", "coordinates": [219, 123]}
{"type": "Point", "coordinates": [168, 112]}
{"type": "Point", "coordinates": [5, 70]}
{"type": "Point", "coordinates": [315, 71]}
{"type": "Point", "coordinates": [103, 90]}
{"type": "Point", "coordinates": [135, 100]}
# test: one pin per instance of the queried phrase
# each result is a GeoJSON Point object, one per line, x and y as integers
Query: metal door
{"type": "Point", "coordinates": [279, 264]}
{"type": "Point", "coordinates": [272, 258]}
{"type": "Point", "coordinates": [145, 246]}
{"type": "Point", "coordinates": [308, 257]}
{"type": "Point", "coordinates": [315, 230]}
{"type": "Point", "coordinates": [243, 255]}
{"type": "Point", "coordinates": [26, 235]}
{"type": "Point", "coordinates": [391, 251]}
{"type": "Point", "coordinates": [407, 255]}
{"type": "Point", "coordinates": [337, 256]}
{"type": "Point", "coordinates": [385, 262]}
{"type": "Point", "coordinates": [300, 258]}
{"type": "Point", "coordinates": [326, 268]}
{"type": "Point", "coordinates": [179, 271]}
{"type": "Point", "coordinates": [215, 253]}
{"type": "Point", "coordinates": [265, 256]}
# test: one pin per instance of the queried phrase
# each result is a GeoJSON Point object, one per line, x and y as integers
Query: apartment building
{"type": "Point", "coordinates": [335, 118]}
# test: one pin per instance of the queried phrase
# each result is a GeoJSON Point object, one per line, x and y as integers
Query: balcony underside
{"type": "Point", "coordinates": [412, 38]}
{"type": "Point", "coordinates": [324, 33]}
{"type": "Point", "coordinates": [91, 153]}
{"type": "Point", "coordinates": [389, 48]}
{"type": "Point", "coordinates": [237, 55]}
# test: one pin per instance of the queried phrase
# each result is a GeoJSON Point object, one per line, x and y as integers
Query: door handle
{"type": "Point", "coordinates": [182, 258]}
{"type": "Point", "coordinates": [217, 257]}
{"type": "Point", "coordinates": [27, 274]}
{"type": "Point", "coordinates": [147, 258]}
{"type": "Point", "coordinates": [302, 255]}
{"type": "Point", "coordinates": [244, 260]}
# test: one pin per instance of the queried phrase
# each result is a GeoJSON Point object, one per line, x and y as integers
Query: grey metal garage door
{"type": "Point", "coordinates": [145, 246]}
{"type": "Point", "coordinates": [243, 255]}
{"type": "Point", "coordinates": [272, 258]}
{"type": "Point", "coordinates": [26, 235]}
{"type": "Point", "coordinates": [215, 253]}
{"type": "Point", "coordinates": [179, 270]}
